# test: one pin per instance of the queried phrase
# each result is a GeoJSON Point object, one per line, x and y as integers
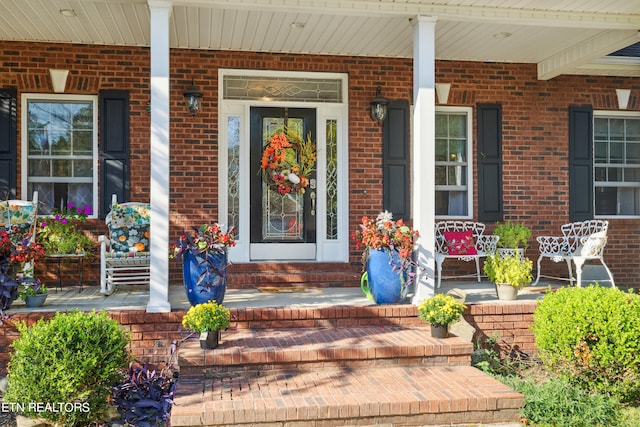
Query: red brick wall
{"type": "Point", "coordinates": [509, 323]}
{"type": "Point", "coordinates": [535, 131]}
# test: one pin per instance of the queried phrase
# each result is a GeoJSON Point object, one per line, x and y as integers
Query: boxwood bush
{"type": "Point", "coordinates": [591, 336]}
{"type": "Point", "coordinates": [69, 363]}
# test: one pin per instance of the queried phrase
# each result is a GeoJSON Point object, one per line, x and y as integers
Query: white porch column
{"type": "Point", "coordinates": [160, 11]}
{"type": "Point", "coordinates": [423, 146]}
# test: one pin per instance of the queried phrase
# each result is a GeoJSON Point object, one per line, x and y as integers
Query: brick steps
{"type": "Point", "coordinates": [368, 374]}
{"type": "Point", "coordinates": [313, 348]}
{"type": "Point", "coordinates": [393, 396]}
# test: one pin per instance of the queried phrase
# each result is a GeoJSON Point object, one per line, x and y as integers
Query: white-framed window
{"type": "Point", "coordinates": [60, 149]}
{"type": "Point", "coordinates": [454, 160]}
{"type": "Point", "coordinates": [616, 158]}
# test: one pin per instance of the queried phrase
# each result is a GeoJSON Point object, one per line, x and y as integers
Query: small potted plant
{"type": "Point", "coordinates": [441, 311]}
{"type": "Point", "coordinates": [514, 237]}
{"type": "Point", "coordinates": [59, 233]}
{"type": "Point", "coordinates": [509, 273]}
{"type": "Point", "coordinates": [33, 292]}
{"type": "Point", "coordinates": [208, 319]}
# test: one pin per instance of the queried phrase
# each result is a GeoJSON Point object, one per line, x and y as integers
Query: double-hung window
{"type": "Point", "coordinates": [617, 163]}
{"type": "Point", "coordinates": [59, 146]}
{"type": "Point", "coordinates": [453, 162]}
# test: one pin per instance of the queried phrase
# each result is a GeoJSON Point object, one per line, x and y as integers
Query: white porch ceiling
{"type": "Point", "coordinates": [561, 37]}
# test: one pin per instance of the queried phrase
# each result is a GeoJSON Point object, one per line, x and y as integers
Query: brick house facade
{"type": "Point", "coordinates": [534, 128]}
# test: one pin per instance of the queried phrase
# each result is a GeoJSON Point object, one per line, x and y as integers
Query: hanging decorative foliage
{"type": "Point", "coordinates": [288, 161]}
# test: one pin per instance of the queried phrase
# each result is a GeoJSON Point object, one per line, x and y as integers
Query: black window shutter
{"type": "Point", "coordinates": [395, 161]}
{"type": "Point", "coordinates": [489, 122]}
{"type": "Point", "coordinates": [8, 143]}
{"type": "Point", "coordinates": [580, 163]}
{"type": "Point", "coordinates": [114, 147]}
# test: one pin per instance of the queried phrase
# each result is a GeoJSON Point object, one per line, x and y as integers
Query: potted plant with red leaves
{"type": "Point", "coordinates": [204, 261]}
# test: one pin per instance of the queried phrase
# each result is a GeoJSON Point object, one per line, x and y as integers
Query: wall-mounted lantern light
{"type": "Point", "coordinates": [379, 107]}
{"type": "Point", "coordinates": [193, 99]}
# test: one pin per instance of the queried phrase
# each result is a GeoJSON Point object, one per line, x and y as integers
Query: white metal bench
{"type": "Point", "coordinates": [580, 241]}
{"type": "Point", "coordinates": [463, 240]}
{"type": "Point", "coordinates": [124, 253]}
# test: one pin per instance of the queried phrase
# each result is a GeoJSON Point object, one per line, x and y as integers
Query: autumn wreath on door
{"type": "Point", "coordinates": [288, 161]}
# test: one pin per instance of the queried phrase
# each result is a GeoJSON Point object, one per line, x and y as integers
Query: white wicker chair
{"type": "Point", "coordinates": [580, 241]}
{"type": "Point", "coordinates": [478, 247]}
{"type": "Point", "coordinates": [124, 253]}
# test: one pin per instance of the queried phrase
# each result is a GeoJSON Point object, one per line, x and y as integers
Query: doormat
{"type": "Point", "coordinates": [287, 289]}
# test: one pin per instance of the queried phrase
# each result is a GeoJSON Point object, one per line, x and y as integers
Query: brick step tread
{"type": "Point", "coordinates": [323, 346]}
{"type": "Point", "coordinates": [397, 395]}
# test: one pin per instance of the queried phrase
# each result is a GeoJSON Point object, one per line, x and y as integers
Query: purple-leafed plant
{"type": "Point", "coordinates": [145, 397]}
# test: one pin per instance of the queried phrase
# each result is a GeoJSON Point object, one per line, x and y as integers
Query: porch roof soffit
{"type": "Point", "coordinates": [560, 37]}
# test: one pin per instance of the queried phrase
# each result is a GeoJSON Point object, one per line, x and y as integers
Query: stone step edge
{"type": "Point", "coordinates": [299, 346]}
{"type": "Point", "coordinates": [424, 395]}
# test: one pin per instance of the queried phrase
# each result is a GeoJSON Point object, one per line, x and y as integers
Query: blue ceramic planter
{"type": "Point", "coordinates": [385, 284]}
{"type": "Point", "coordinates": [213, 284]}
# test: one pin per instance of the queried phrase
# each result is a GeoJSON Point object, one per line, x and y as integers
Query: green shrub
{"type": "Point", "coordinates": [73, 359]}
{"type": "Point", "coordinates": [591, 336]}
{"type": "Point", "coordinates": [557, 403]}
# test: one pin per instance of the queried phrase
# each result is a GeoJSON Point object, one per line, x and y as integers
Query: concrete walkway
{"type": "Point", "coordinates": [136, 297]}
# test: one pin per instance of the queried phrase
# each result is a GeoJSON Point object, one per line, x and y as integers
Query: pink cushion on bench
{"type": "Point", "coordinates": [460, 242]}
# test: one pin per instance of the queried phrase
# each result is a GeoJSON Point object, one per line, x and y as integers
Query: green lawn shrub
{"type": "Point", "coordinates": [591, 336]}
{"type": "Point", "coordinates": [69, 362]}
{"type": "Point", "coordinates": [558, 403]}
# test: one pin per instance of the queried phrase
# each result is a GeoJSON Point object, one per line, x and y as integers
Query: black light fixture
{"type": "Point", "coordinates": [193, 99]}
{"type": "Point", "coordinates": [379, 107]}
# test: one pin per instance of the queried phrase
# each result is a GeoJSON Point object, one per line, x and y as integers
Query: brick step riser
{"type": "Point", "coordinates": [249, 370]}
{"type": "Point", "coordinates": [321, 323]}
{"type": "Point", "coordinates": [247, 276]}
{"type": "Point", "coordinates": [324, 317]}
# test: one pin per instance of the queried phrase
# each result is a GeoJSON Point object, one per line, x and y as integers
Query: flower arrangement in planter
{"type": "Point", "coordinates": [59, 234]}
{"type": "Point", "coordinates": [208, 238]}
{"type": "Point", "coordinates": [288, 161]}
{"type": "Point", "coordinates": [441, 309]}
{"type": "Point", "coordinates": [208, 319]}
{"type": "Point", "coordinates": [384, 232]}
{"type": "Point", "coordinates": [509, 273]}
{"type": "Point", "coordinates": [393, 242]}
